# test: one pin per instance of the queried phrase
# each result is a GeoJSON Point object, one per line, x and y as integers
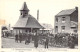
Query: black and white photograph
{"type": "Point", "coordinates": [39, 24]}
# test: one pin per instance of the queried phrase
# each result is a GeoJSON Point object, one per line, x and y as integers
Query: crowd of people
{"type": "Point", "coordinates": [28, 37]}
{"type": "Point", "coordinates": [61, 38]}
{"type": "Point", "coordinates": [66, 39]}
{"type": "Point", "coordinates": [69, 39]}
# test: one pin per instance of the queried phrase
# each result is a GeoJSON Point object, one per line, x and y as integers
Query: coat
{"type": "Point", "coordinates": [36, 41]}
{"type": "Point", "coordinates": [20, 37]}
{"type": "Point", "coordinates": [16, 37]}
{"type": "Point", "coordinates": [46, 41]}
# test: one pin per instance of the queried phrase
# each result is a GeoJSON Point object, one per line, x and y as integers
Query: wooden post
{"type": "Point", "coordinates": [31, 34]}
{"type": "Point", "coordinates": [31, 30]}
{"type": "Point", "coordinates": [16, 31]}
{"type": "Point", "coordinates": [37, 15]}
{"type": "Point", "coordinates": [42, 30]}
{"type": "Point", "coordinates": [19, 31]}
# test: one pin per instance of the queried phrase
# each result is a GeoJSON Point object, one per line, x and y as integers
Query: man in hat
{"type": "Point", "coordinates": [16, 38]}
{"type": "Point", "coordinates": [46, 42]}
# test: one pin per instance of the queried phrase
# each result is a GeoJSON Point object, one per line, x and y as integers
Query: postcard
{"type": "Point", "coordinates": [39, 25]}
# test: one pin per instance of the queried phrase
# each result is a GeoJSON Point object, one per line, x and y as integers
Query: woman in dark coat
{"type": "Point", "coordinates": [20, 37]}
{"type": "Point", "coordinates": [26, 39]}
{"type": "Point", "coordinates": [36, 40]}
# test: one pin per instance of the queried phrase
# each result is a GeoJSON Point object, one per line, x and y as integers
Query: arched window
{"type": "Point", "coordinates": [56, 29]}
{"type": "Point", "coordinates": [56, 19]}
{"type": "Point", "coordinates": [63, 28]}
{"type": "Point", "coordinates": [63, 18]}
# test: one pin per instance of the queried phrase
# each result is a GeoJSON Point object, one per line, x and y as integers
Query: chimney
{"type": "Point", "coordinates": [76, 8]}
{"type": "Point", "coordinates": [37, 15]}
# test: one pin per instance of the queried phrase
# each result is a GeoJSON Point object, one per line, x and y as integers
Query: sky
{"type": "Point", "coordinates": [9, 9]}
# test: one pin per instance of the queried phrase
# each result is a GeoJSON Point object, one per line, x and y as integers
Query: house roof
{"type": "Point", "coordinates": [4, 28]}
{"type": "Point", "coordinates": [47, 26]}
{"type": "Point", "coordinates": [27, 22]}
{"type": "Point", "coordinates": [66, 12]}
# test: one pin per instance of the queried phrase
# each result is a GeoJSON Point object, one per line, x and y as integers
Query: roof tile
{"type": "Point", "coordinates": [66, 12]}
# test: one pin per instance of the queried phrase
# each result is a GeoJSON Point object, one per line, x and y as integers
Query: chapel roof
{"type": "Point", "coordinates": [24, 7]}
{"type": "Point", "coordinates": [27, 22]}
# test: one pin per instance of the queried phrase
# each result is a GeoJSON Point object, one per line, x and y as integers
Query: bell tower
{"type": "Point", "coordinates": [24, 10]}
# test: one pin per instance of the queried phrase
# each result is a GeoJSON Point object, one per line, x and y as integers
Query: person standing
{"type": "Point", "coordinates": [20, 37]}
{"type": "Point", "coordinates": [29, 37]}
{"type": "Point", "coordinates": [36, 40]}
{"type": "Point", "coordinates": [26, 39]}
{"type": "Point", "coordinates": [46, 42]}
{"type": "Point", "coordinates": [71, 41]}
{"type": "Point", "coordinates": [16, 38]}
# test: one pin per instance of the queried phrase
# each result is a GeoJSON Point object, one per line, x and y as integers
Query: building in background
{"type": "Point", "coordinates": [6, 29]}
{"type": "Point", "coordinates": [66, 21]}
{"type": "Point", "coordinates": [26, 22]}
{"type": "Point", "coordinates": [48, 28]}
